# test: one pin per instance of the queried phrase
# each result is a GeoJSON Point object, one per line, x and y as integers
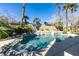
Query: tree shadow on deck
{"type": "Point", "coordinates": [70, 45]}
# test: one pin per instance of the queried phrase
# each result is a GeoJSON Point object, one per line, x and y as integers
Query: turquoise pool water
{"type": "Point", "coordinates": [31, 43]}
{"type": "Point", "coordinates": [61, 37]}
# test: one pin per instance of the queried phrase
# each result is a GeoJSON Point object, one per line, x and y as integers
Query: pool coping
{"type": "Point", "coordinates": [48, 47]}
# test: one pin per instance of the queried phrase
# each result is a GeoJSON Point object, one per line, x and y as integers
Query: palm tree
{"type": "Point", "coordinates": [46, 23]}
{"type": "Point", "coordinates": [25, 19]}
{"type": "Point", "coordinates": [37, 23]}
{"type": "Point", "coordinates": [23, 12]}
{"type": "Point", "coordinates": [73, 9]}
{"type": "Point", "coordinates": [59, 10]}
{"type": "Point", "coordinates": [36, 20]}
{"type": "Point", "coordinates": [67, 8]}
{"type": "Point", "coordinates": [77, 25]}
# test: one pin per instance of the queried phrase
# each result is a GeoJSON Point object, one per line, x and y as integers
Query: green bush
{"type": "Point", "coordinates": [29, 28]}
{"type": "Point", "coordinates": [3, 34]}
{"type": "Point", "coordinates": [18, 30]}
{"type": "Point", "coordinates": [59, 24]}
{"type": "Point", "coordinates": [9, 32]}
{"type": "Point", "coordinates": [42, 28]}
{"type": "Point", "coordinates": [47, 29]}
{"type": "Point", "coordinates": [76, 33]}
{"type": "Point", "coordinates": [64, 32]}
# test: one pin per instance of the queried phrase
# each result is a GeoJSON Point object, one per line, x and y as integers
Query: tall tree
{"type": "Point", "coordinates": [67, 8]}
{"type": "Point", "coordinates": [23, 12]}
{"type": "Point", "coordinates": [59, 10]}
{"type": "Point", "coordinates": [77, 24]}
{"type": "Point", "coordinates": [73, 9]}
{"type": "Point", "coordinates": [37, 23]}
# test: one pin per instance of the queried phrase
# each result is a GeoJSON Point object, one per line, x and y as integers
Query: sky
{"type": "Point", "coordinates": [44, 11]}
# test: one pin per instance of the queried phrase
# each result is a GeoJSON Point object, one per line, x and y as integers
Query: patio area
{"type": "Point", "coordinates": [68, 47]}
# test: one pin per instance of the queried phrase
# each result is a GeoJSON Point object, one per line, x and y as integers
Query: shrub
{"type": "Point", "coordinates": [59, 24]}
{"type": "Point", "coordinates": [64, 32]}
{"type": "Point", "coordinates": [47, 28]}
{"type": "Point", "coordinates": [77, 30]}
{"type": "Point", "coordinates": [18, 30]}
{"type": "Point", "coordinates": [42, 28]}
{"type": "Point", "coordinates": [9, 32]}
{"type": "Point", "coordinates": [28, 28]}
{"type": "Point", "coordinates": [3, 34]}
{"type": "Point", "coordinates": [76, 33]}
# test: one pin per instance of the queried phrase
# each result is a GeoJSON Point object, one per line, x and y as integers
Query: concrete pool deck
{"type": "Point", "coordinates": [68, 47]}
{"type": "Point", "coordinates": [2, 43]}
{"type": "Point", "coordinates": [6, 42]}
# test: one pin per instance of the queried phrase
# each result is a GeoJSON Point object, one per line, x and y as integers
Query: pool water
{"type": "Point", "coordinates": [33, 42]}
{"type": "Point", "coordinates": [61, 37]}
{"type": "Point", "coordinates": [28, 44]}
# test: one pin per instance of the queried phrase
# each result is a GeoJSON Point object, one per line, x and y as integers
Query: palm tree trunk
{"type": "Point", "coordinates": [23, 12]}
{"type": "Point", "coordinates": [72, 24]}
{"type": "Point", "coordinates": [66, 20]}
{"type": "Point", "coordinates": [67, 13]}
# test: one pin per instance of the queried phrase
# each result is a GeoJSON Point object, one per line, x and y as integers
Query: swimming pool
{"type": "Point", "coordinates": [30, 43]}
